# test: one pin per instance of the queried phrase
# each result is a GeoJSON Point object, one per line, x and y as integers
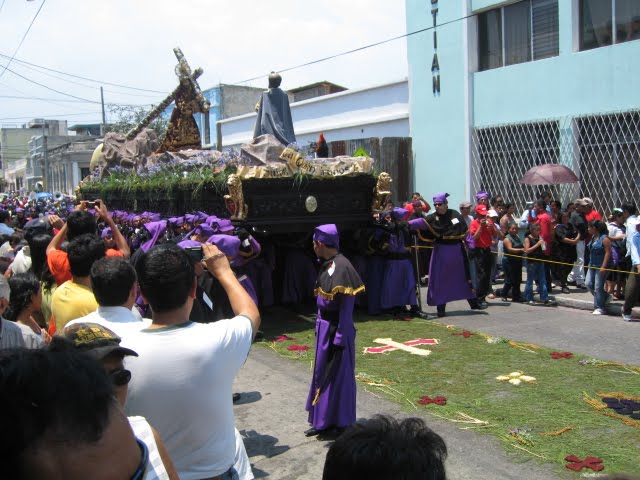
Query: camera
{"type": "Point", "coordinates": [529, 205]}
{"type": "Point", "coordinates": [195, 253]}
{"type": "Point", "coordinates": [93, 204]}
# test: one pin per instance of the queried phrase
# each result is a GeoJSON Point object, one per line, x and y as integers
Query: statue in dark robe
{"type": "Point", "coordinates": [274, 113]}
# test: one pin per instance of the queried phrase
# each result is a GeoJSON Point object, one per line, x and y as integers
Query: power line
{"type": "Point", "coordinates": [40, 71]}
{"type": "Point", "coordinates": [17, 97]}
{"type": "Point", "coordinates": [85, 100]}
{"type": "Point", "coordinates": [39, 115]}
{"type": "Point", "coordinates": [23, 38]}
{"type": "Point", "coordinates": [49, 88]}
{"type": "Point", "coordinates": [364, 47]}
{"type": "Point", "coordinates": [102, 82]}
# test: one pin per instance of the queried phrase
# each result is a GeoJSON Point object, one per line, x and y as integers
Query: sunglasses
{"type": "Point", "coordinates": [144, 458]}
{"type": "Point", "coordinates": [120, 377]}
{"type": "Point", "coordinates": [437, 204]}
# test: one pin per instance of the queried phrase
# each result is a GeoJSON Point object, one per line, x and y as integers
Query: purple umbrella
{"type": "Point", "coordinates": [549, 174]}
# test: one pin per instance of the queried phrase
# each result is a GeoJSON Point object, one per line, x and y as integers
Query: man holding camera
{"type": "Point", "coordinates": [482, 229]}
{"type": "Point", "coordinates": [182, 380]}
{"type": "Point", "coordinates": [80, 221]}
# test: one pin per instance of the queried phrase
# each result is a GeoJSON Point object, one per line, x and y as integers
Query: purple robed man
{"type": "Point", "coordinates": [332, 397]}
{"type": "Point", "coordinates": [399, 281]}
{"type": "Point", "coordinates": [449, 278]}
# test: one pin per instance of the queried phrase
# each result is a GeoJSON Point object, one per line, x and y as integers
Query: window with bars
{"type": "Point", "coordinates": [609, 149]}
{"type": "Point", "coordinates": [517, 33]}
{"type": "Point", "coordinates": [602, 149]}
{"type": "Point", "coordinates": [503, 154]}
{"type": "Point", "coordinates": [598, 18]}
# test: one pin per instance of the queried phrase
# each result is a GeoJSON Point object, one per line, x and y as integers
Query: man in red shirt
{"type": "Point", "coordinates": [482, 229]}
{"type": "Point", "coordinates": [589, 213]}
{"type": "Point", "coordinates": [546, 230]}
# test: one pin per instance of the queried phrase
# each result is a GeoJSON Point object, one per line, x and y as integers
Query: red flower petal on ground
{"type": "Point", "coordinates": [426, 400]}
{"type": "Point", "coordinates": [558, 355]}
{"type": "Point", "coordinates": [577, 464]}
{"type": "Point", "coordinates": [283, 338]}
{"type": "Point", "coordinates": [294, 348]}
{"type": "Point", "coordinates": [465, 334]}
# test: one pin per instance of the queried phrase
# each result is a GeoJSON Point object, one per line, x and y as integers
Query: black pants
{"type": "Point", "coordinates": [512, 278]}
{"type": "Point", "coordinates": [483, 259]}
{"type": "Point", "coordinates": [631, 291]}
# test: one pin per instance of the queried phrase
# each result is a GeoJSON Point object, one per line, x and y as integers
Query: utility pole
{"type": "Point", "coordinates": [45, 157]}
{"type": "Point", "coordinates": [104, 117]}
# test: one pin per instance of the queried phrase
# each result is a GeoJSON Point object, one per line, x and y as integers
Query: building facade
{"type": "Point", "coordinates": [499, 87]}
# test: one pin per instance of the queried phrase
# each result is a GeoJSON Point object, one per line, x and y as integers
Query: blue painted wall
{"type": "Point", "coordinates": [438, 122]}
{"type": "Point", "coordinates": [574, 83]}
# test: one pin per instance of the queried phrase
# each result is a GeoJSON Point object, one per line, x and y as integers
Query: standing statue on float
{"type": "Point", "coordinates": [274, 113]}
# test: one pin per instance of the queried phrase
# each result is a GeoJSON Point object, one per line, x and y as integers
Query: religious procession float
{"type": "Point", "coordinates": [268, 185]}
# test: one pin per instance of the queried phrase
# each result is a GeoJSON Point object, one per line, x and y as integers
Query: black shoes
{"type": "Point", "coordinates": [331, 432]}
{"type": "Point", "coordinates": [479, 306]}
{"type": "Point", "coordinates": [235, 397]}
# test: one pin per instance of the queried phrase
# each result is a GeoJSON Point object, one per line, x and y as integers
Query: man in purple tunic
{"type": "Point", "coordinates": [332, 397]}
{"type": "Point", "coordinates": [449, 278]}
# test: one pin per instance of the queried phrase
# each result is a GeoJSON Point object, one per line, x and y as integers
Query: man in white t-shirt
{"type": "Point", "coordinates": [10, 333]}
{"type": "Point", "coordinates": [182, 379]}
{"type": "Point", "coordinates": [113, 281]}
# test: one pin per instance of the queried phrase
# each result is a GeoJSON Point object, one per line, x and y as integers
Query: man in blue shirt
{"type": "Point", "coordinates": [632, 287]}
{"type": "Point", "coordinates": [4, 228]}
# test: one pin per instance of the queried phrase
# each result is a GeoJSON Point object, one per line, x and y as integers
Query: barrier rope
{"type": "Point", "coordinates": [544, 260]}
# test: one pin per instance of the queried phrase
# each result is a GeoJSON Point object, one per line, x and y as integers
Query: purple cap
{"type": "Point", "coordinates": [202, 216]}
{"type": "Point", "coordinates": [224, 225]}
{"type": "Point", "coordinates": [190, 218]}
{"type": "Point", "coordinates": [156, 229]}
{"type": "Point", "coordinates": [440, 198]}
{"type": "Point", "coordinates": [203, 229]}
{"type": "Point", "coordinates": [399, 213]}
{"type": "Point", "coordinates": [211, 219]}
{"type": "Point", "coordinates": [228, 244]}
{"type": "Point", "coordinates": [327, 234]}
{"type": "Point", "coordinates": [481, 194]}
{"type": "Point", "coordinates": [106, 233]}
{"type": "Point", "coordinates": [155, 217]}
{"type": "Point", "coordinates": [175, 221]}
{"type": "Point", "coordinates": [188, 243]}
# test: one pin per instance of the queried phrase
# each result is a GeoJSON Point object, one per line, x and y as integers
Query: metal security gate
{"type": "Point", "coordinates": [603, 150]}
{"type": "Point", "coordinates": [391, 154]}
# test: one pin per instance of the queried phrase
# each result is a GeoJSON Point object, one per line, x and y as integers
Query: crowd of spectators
{"type": "Point", "coordinates": [114, 297]}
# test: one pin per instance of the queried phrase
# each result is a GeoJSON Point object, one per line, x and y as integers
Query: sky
{"type": "Point", "coordinates": [130, 43]}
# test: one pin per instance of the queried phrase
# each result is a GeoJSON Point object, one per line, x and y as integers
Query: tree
{"type": "Point", "coordinates": [126, 117]}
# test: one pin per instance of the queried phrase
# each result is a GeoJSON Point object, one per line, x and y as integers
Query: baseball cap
{"type": "Point", "coordinates": [587, 201]}
{"type": "Point", "coordinates": [481, 209]}
{"type": "Point", "coordinates": [96, 340]}
{"type": "Point", "coordinates": [464, 205]}
{"type": "Point", "coordinates": [581, 201]}
{"type": "Point", "coordinates": [492, 213]}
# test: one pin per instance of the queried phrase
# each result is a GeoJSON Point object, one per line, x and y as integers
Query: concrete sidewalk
{"type": "Point", "coordinates": [583, 300]}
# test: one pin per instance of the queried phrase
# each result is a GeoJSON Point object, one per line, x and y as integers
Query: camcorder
{"type": "Point", "coordinates": [195, 253]}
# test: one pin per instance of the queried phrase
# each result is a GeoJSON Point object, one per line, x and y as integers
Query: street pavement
{"type": "Point", "coordinates": [272, 419]}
